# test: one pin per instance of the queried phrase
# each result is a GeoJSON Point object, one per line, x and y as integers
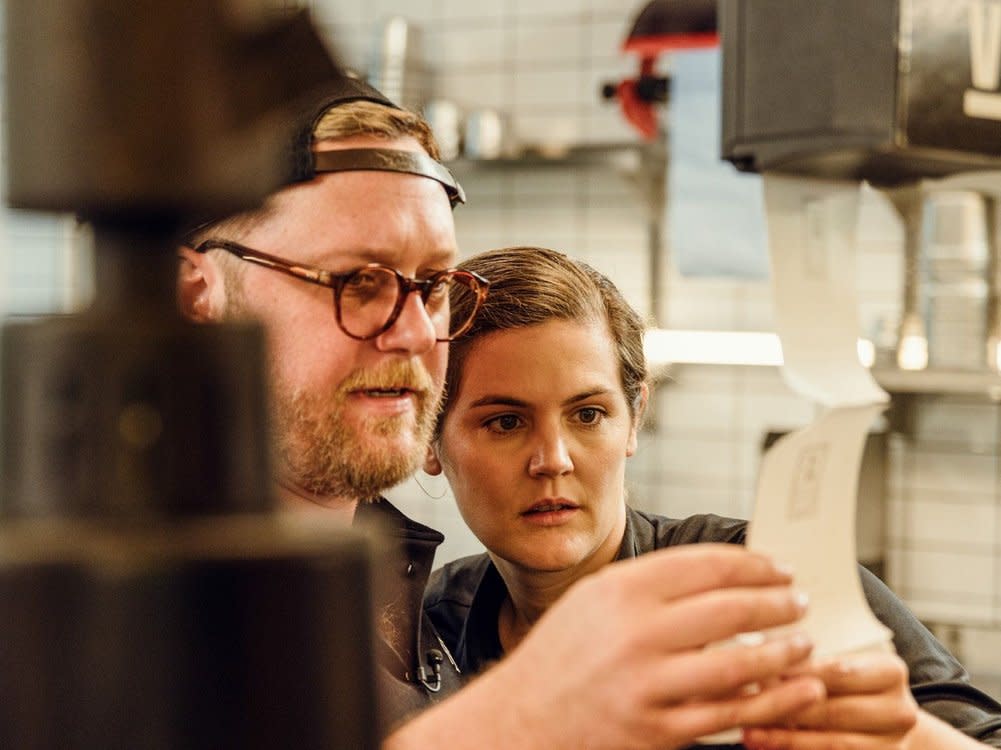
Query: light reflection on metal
{"type": "Point", "coordinates": [912, 352]}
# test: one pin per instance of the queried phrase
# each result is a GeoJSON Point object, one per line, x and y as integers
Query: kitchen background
{"type": "Point", "coordinates": [571, 174]}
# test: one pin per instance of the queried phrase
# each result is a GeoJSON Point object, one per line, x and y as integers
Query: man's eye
{"type": "Point", "coordinates": [361, 280]}
{"type": "Point", "coordinates": [369, 284]}
{"type": "Point", "coordinates": [438, 294]}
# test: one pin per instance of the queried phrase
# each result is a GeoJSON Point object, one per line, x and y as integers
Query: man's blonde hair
{"type": "Point", "coordinates": [371, 118]}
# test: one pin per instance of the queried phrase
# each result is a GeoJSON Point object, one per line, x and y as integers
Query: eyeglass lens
{"type": "Point", "coordinates": [369, 296]}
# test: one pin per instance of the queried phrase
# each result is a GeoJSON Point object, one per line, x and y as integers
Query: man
{"type": "Point", "coordinates": [619, 662]}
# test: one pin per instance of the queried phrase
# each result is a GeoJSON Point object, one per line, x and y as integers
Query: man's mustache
{"type": "Point", "coordinates": [407, 375]}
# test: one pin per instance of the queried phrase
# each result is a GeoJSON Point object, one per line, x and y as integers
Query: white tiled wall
{"type": "Point", "coordinates": [43, 268]}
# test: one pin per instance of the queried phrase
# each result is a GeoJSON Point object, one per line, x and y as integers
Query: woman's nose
{"type": "Point", "coordinates": [550, 456]}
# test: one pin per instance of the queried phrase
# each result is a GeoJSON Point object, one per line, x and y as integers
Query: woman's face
{"type": "Point", "coordinates": [535, 443]}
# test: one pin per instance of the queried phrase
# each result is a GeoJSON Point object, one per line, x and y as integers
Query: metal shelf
{"type": "Point", "coordinates": [619, 152]}
{"type": "Point", "coordinates": [642, 164]}
{"type": "Point", "coordinates": [937, 381]}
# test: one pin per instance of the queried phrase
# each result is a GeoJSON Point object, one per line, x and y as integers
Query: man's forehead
{"type": "Point", "coordinates": [338, 238]}
{"type": "Point", "coordinates": [341, 220]}
{"type": "Point", "coordinates": [395, 257]}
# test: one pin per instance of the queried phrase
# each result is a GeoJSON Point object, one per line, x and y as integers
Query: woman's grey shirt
{"type": "Point", "coordinates": [463, 600]}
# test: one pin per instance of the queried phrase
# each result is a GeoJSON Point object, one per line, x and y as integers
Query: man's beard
{"type": "Point", "coordinates": [325, 454]}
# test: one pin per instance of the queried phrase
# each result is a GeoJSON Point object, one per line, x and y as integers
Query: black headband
{"type": "Point", "coordinates": [307, 163]}
{"type": "Point", "coordinates": [389, 160]}
{"type": "Point", "coordinates": [304, 163]}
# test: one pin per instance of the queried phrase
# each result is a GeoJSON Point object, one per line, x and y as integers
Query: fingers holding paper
{"type": "Point", "coordinates": [713, 677]}
{"type": "Point", "coordinates": [641, 635]}
{"type": "Point", "coordinates": [705, 717]}
{"type": "Point", "coordinates": [869, 706]}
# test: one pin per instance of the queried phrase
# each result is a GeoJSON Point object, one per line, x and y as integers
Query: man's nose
{"type": "Point", "coordinates": [413, 331]}
{"type": "Point", "coordinates": [550, 455]}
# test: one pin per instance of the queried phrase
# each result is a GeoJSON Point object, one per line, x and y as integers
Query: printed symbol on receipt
{"type": "Point", "coordinates": [817, 241]}
{"type": "Point", "coordinates": [807, 479]}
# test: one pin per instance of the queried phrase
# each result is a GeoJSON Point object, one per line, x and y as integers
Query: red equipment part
{"type": "Point", "coordinates": [663, 26]}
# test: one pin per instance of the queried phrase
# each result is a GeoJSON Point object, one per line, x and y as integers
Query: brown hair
{"type": "Point", "coordinates": [533, 285]}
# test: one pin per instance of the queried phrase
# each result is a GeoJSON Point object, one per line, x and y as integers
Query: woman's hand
{"type": "Point", "coordinates": [619, 662]}
{"type": "Point", "coordinates": [869, 706]}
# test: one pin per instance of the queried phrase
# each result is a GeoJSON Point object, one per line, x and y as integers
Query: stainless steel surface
{"type": "Point", "coordinates": [955, 280]}
{"type": "Point", "coordinates": [978, 383]}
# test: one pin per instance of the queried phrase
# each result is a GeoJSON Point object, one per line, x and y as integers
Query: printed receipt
{"type": "Point", "coordinates": [804, 513]}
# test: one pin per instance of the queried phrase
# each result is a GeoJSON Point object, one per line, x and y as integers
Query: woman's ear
{"type": "Point", "coordinates": [432, 465]}
{"type": "Point", "coordinates": [201, 294]}
{"type": "Point", "coordinates": [640, 409]}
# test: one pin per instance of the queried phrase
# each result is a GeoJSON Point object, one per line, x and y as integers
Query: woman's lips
{"type": "Point", "coordinates": [550, 511]}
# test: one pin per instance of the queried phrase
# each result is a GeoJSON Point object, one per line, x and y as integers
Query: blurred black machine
{"type": "Point", "coordinates": [889, 92]}
{"type": "Point", "coordinates": [898, 93]}
{"type": "Point", "coordinates": [150, 597]}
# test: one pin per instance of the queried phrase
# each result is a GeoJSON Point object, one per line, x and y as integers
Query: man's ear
{"type": "Point", "coordinates": [432, 465]}
{"type": "Point", "coordinates": [201, 294]}
{"type": "Point", "coordinates": [640, 409]}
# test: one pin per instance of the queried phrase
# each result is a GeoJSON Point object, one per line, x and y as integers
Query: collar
{"type": "Point", "coordinates": [393, 522]}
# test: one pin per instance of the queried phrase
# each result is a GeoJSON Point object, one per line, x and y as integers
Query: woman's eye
{"type": "Point", "coordinates": [504, 423]}
{"type": "Point", "coordinates": [589, 415]}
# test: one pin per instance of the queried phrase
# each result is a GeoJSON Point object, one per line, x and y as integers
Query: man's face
{"type": "Point", "coordinates": [352, 417]}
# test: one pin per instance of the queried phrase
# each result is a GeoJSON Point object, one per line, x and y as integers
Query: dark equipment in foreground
{"type": "Point", "coordinates": [151, 599]}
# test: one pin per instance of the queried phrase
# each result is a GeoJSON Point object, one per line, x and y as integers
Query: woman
{"type": "Point", "coordinates": [543, 402]}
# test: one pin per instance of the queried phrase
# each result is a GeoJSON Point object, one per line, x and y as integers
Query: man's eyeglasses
{"type": "Point", "coordinates": [368, 300]}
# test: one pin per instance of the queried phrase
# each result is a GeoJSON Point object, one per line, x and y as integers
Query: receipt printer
{"type": "Point", "coordinates": [888, 91]}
